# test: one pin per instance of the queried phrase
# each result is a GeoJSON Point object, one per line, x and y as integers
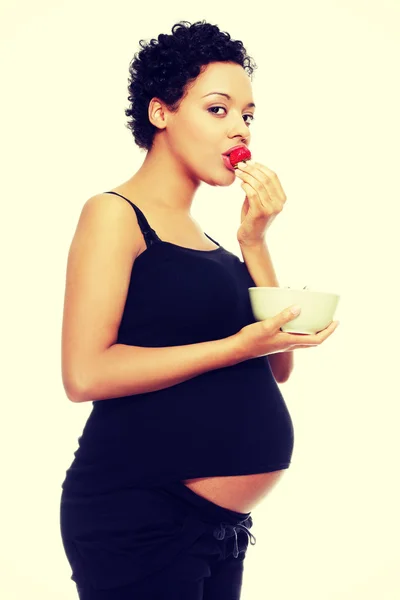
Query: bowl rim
{"type": "Point", "coordinates": [280, 289]}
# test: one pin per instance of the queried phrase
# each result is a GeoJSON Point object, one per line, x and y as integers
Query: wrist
{"type": "Point", "coordinates": [252, 246]}
{"type": "Point", "coordinates": [235, 348]}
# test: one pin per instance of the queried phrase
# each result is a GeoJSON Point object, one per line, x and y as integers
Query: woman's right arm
{"type": "Point", "coordinates": [123, 370]}
{"type": "Point", "coordinates": [94, 367]}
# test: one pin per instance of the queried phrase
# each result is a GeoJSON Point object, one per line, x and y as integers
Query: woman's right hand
{"type": "Point", "coordinates": [265, 337]}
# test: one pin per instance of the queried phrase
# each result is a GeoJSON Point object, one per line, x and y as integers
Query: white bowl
{"type": "Point", "coordinates": [317, 308]}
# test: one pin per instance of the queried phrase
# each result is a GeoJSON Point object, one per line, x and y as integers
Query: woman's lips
{"type": "Point", "coordinates": [227, 162]}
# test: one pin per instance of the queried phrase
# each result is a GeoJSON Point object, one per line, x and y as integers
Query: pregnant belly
{"type": "Point", "coordinates": [238, 492]}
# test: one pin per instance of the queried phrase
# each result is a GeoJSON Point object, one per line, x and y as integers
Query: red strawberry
{"type": "Point", "coordinates": [238, 155]}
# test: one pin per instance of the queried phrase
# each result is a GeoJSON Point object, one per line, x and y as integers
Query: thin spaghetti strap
{"type": "Point", "coordinates": [121, 196]}
{"type": "Point", "coordinates": [210, 238]}
{"type": "Point", "coordinates": [149, 234]}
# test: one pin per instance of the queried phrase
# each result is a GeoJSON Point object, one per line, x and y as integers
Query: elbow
{"type": "Point", "coordinates": [82, 383]}
{"type": "Point", "coordinates": [281, 376]}
{"type": "Point", "coordinates": [281, 365]}
{"type": "Point", "coordinates": [286, 376]}
{"type": "Point", "coordinates": [76, 374]}
{"type": "Point", "coordinates": [283, 379]}
{"type": "Point", "coordinates": [75, 391]}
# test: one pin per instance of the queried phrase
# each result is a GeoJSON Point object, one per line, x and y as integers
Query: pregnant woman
{"type": "Point", "coordinates": [188, 430]}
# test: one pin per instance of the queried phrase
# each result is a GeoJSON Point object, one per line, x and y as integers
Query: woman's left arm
{"type": "Point", "coordinates": [259, 263]}
{"type": "Point", "coordinates": [264, 200]}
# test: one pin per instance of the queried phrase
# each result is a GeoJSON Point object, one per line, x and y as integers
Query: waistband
{"type": "Point", "coordinates": [224, 522]}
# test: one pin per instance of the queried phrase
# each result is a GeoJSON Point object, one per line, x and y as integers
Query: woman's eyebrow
{"type": "Point", "coordinates": [249, 105]}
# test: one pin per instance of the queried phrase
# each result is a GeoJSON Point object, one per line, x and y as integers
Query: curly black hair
{"type": "Point", "coordinates": [163, 69]}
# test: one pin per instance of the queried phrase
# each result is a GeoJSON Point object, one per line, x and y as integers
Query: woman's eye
{"type": "Point", "coordinates": [218, 107]}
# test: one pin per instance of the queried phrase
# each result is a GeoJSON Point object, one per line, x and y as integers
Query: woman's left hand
{"type": "Point", "coordinates": [265, 199]}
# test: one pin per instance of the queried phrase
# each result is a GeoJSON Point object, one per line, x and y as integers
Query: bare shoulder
{"type": "Point", "coordinates": [120, 214]}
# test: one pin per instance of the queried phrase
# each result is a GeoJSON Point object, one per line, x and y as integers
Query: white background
{"type": "Point", "coordinates": [327, 122]}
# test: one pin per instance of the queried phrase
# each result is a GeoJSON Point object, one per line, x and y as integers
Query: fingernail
{"type": "Point", "coordinates": [295, 309]}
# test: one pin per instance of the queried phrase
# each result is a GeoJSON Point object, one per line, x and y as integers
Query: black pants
{"type": "Point", "coordinates": [165, 543]}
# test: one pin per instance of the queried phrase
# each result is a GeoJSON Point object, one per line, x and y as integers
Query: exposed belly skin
{"type": "Point", "coordinates": [240, 493]}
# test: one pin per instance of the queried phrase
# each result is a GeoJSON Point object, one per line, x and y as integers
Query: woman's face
{"type": "Point", "coordinates": [206, 125]}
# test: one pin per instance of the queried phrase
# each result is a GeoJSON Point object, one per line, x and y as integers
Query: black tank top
{"type": "Point", "coordinates": [229, 421]}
